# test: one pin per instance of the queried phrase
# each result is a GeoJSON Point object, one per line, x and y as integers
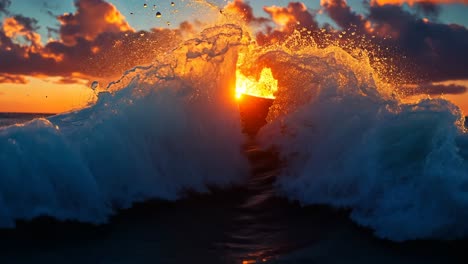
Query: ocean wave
{"type": "Point", "coordinates": [400, 168]}
{"type": "Point", "coordinates": [154, 133]}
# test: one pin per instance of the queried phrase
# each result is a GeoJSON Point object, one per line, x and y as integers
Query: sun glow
{"type": "Point", "coordinates": [266, 86]}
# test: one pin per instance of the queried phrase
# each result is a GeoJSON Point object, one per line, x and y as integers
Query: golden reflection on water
{"type": "Point", "coordinates": [252, 261]}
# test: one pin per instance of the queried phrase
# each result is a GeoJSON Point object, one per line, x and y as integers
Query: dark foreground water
{"type": "Point", "coordinates": [242, 225]}
{"type": "Point", "coordinates": [247, 224]}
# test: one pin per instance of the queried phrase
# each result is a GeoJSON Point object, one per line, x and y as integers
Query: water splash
{"type": "Point", "coordinates": [347, 138]}
{"type": "Point", "coordinates": [156, 132]}
{"type": "Point", "coordinates": [349, 141]}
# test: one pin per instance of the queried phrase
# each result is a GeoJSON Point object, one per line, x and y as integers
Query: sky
{"type": "Point", "coordinates": [50, 51]}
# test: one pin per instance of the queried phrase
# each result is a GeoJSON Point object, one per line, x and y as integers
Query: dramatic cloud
{"type": "Point", "coordinates": [97, 42]}
{"type": "Point", "coordinates": [7, 78]}
{"type": "Point", "coordinates": [19, 25]}
{"type": "Point", "coordinates": [106, 56]}
{"type": "Point", "coordinates": [94, 42]}
{"type": "Point", "coordinates": [291, 16]}
{"type": "Point", "coordinates": [294, 16]}
{"type": "Point", "coordinates": [438, 50]}
{"type": "Point", "coordinates": [93, 17]}
{"type": "Point", "coordinates": [433, 89]}
{"type": "Point", "coordinates": [341, 13]}
{"type": "Point", "coordinates": [416, 48]}
{"type": "Point", "coordinates": [244, 10]}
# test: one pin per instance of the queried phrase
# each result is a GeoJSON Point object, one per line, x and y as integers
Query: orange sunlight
{"type": "Point", "coordinates": [265, 87]}
{"type": "Point", "coordinates": [461, 100]}
{"type": "Point", "coordinates": [44, 96]}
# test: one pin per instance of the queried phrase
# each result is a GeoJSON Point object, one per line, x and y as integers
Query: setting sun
{"type": "Point", "coordinates": [233, 131]}
{"type": "Point", "coordinates": [265, 87]}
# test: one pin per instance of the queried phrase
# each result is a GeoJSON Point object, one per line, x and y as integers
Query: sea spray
{"type": "Point", "coordinates": [348, 141]}
{"type": "Point", "coordinates": [158, 131]}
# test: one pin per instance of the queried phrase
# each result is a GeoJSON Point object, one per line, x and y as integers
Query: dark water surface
{"type": "Point", "coordinates": [242, 225]}
{"type": "Point", "coordinates": [247, 224]}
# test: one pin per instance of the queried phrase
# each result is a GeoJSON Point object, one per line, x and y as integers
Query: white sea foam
{"type": "Point", "coordinates": [402, 169]}
{"type": "Point", "coordinates": [348, 142]}
{"type": "Point", "coordinates": [165, 128]}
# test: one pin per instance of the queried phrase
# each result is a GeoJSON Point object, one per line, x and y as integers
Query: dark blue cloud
{"type": "Point", "coordinates": [438, 51]}
{"type": "Point", "coordinates": [4, 4]}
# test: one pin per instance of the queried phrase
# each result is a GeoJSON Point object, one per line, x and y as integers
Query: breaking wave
{"type": "Point", "coordinates": [349, 142]}
{"type": "Point", "coordinates": [163, 129]}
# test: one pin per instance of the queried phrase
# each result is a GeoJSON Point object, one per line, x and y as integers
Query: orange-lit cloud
{"type": "Point", "coordinates": [19, 26]}
{"type": "Point", "coordinates": [244, 10]}
{"type": "Point", "coordinates": [96, 41]}
{"type": "Point", "coordinates": [280, 15]}
{"type": "Point", "coordinates": [92, 18]}
{"type": "Point", "coordinates": [415, 43]}
{"type": "Point", "coordinates": [70, 80]}
{"type": "Point", "coordinates": [295, 13]}
{"type": "Point", "coordinates": [11, 27]}
{"type": "Point", "coordinates": [290, 18]}
{"type": "Point", "coordinates": [285, 19]}
{"type": "Point", "coordinates": [8, 78]}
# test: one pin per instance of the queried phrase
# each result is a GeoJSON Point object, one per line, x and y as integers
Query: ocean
{"type": "Point", "coordinates": [159, 169]}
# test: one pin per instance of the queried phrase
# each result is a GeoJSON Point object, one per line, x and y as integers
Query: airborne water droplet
{"type": "Point", "coordinates": [145, 5]}
{"type": "Point", "coordinates": [172, 4]}
{"type": "Point", "coordinates": [94, 85]}
{"type": "Point", "coordinates": [158, 14]}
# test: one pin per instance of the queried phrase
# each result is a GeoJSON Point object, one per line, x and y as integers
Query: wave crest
{"type": "Point", "coordinates": [402, 169]}
{"type": "Point", "coordinates": [157, 131]}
